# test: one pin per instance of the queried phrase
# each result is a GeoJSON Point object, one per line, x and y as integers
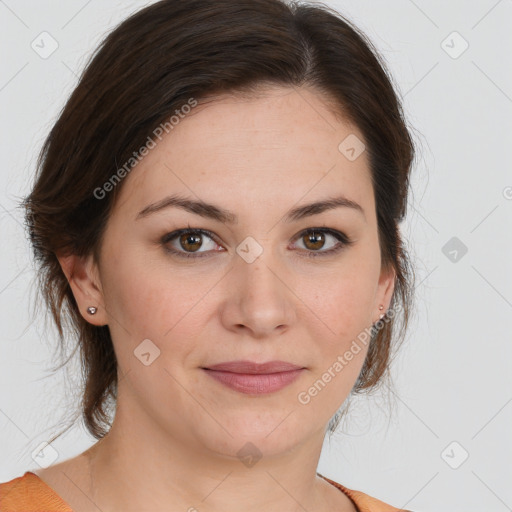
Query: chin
{"type": "Point", "coordinates": [256, 434]}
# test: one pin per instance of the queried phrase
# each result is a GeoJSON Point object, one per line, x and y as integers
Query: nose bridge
{"type": "Point", "coordinates": [260, 299]}
{"type": "Point", "coordinates": [253, 269]}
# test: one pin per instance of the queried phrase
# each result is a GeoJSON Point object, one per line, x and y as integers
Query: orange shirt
{"type": "Point", "coordinates": [28, 493]}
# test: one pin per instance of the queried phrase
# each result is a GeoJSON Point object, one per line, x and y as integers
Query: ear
{"type": "Point", "coordinates": [84, 278]}
{"type": "Point", "coordinates": [384, 293]}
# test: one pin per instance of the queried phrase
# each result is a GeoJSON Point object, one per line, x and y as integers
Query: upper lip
{"type": "Point", "coordinates": [252, 367]}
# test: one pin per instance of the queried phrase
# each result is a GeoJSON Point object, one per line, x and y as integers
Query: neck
{"type": "Point", "coordinates": [138, 466]}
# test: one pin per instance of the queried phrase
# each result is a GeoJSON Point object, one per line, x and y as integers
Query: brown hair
{"type": "Point", "coordinates": [146, 69]}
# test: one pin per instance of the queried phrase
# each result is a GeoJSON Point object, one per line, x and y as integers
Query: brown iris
{"type": "Point", "coordinates": [317, 238]}
{"type": "Point", "coordinates": [190, 241]}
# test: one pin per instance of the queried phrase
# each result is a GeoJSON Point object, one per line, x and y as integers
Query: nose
{"type": "Point", "coordinates": [259, 301]}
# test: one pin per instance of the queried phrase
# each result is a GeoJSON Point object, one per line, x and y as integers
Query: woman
{"type": "Point", "coordinates": [216, 217]}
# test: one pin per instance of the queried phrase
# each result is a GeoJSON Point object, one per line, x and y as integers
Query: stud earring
{"type": "Point", "coordinates": [381, 307]}
{"type": "Point", "coordinates": [91, 310]}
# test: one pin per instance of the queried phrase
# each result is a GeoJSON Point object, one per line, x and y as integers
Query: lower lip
{"type": "Point", "coordinates": [255, 384]}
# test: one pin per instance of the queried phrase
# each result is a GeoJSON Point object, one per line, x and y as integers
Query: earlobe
{"type": "Point", "coordinates": [385, 292]}
{"type": "Point", "coordinates": [83, 278]}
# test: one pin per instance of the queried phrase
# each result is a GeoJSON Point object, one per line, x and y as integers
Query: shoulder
{"type": "Point", "coordinates": [28, 493]}
{"type": "Point", "coordinates": [363, 501]}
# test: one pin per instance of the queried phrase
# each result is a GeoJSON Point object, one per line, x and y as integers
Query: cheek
{"type": "Point", "coordinates": [338, 322]}
{"type": "Point", "coordinates": [343, 334]}
{"type": "Point", "coordinates": [341, 302]}
{"type": "Point", "coordinates": [148, 299]}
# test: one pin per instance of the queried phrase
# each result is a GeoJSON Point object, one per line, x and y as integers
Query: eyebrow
{"type": "Point", "coordinates": [211, 211]}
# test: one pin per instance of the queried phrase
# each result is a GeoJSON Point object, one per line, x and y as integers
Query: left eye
{"type": "Point", "coordinates": [314, 240]}
{"type": "Point", "coordinates": [191, 240]}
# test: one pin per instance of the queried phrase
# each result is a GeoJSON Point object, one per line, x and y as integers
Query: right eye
{"type": "Point", "coordinates": [188, 242]}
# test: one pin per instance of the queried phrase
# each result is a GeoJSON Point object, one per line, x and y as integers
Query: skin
{"type": "Point", "coordinates": [177, 431]}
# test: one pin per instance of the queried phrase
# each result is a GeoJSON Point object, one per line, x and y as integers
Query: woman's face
{"type": "Point", "coordinates": [259, 288]}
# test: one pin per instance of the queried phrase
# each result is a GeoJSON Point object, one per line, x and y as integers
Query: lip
{"type": "Point", "coordinates": [252, 367]}
{"type": "Point", "coordinates": [255, 378]}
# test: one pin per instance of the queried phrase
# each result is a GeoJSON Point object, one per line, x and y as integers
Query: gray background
{"type": "Point", "coordinates": [453, 378]}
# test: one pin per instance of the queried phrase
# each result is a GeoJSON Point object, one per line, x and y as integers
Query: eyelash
{"type": "Point", "coordinates": [341, 237]}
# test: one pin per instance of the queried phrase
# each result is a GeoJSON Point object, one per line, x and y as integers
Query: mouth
{"type": "Point", "coordinates": [255, 378]}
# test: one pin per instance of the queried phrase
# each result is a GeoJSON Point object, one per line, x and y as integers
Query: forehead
{"type": "Point", "coordinates": [280, 145]}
